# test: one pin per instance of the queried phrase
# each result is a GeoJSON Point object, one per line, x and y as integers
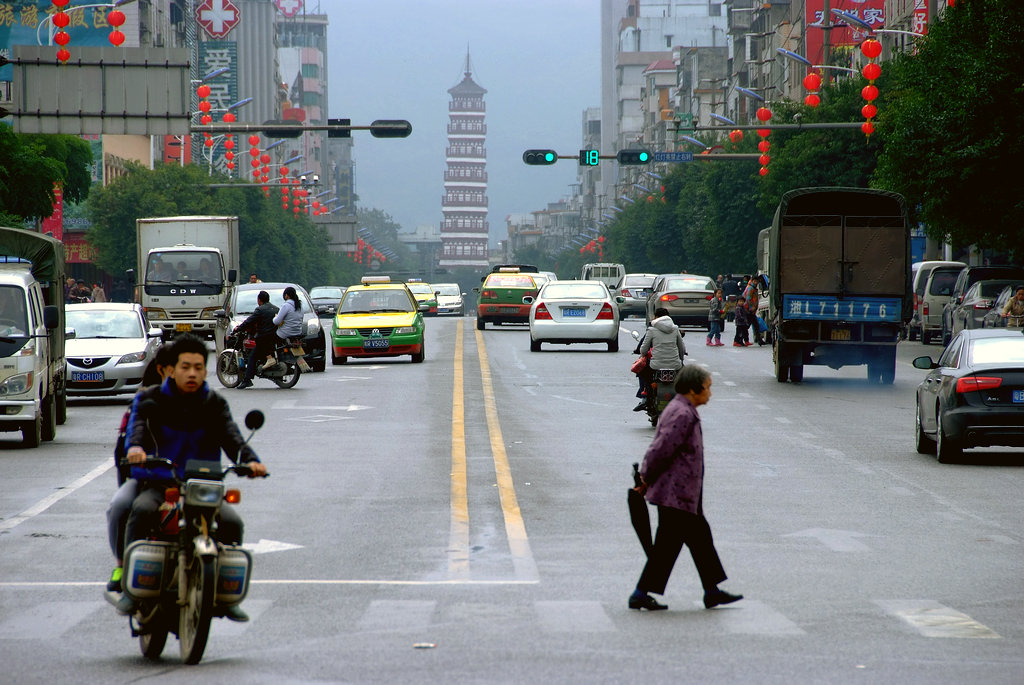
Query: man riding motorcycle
{"type": "Point", "coordinates": [261, 323]}
{"type": "Point", "coordinates": [179, 420]}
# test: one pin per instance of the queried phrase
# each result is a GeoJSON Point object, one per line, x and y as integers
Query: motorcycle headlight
{"type": "Point", "coordinates": [313, 327]}
{"type": "Point", "coordinates": [17, 385]}
{"type": "Point", "coordinates": [405, 330]}
{"type": "Point", "coordinates": [132, 358]}
{"type": "Point", "coordinates": [345, 332]}
{"type": "Point", "coordinates": [203, 493]}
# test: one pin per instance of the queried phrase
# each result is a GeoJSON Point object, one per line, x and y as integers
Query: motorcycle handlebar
{"type": "Point", "coordinates": [156, 462]}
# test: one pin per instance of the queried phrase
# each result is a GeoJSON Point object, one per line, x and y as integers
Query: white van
{"type": "Point", "coordinates": [921, 271]}
{"type": "Point", "coordinates": [607, 273]}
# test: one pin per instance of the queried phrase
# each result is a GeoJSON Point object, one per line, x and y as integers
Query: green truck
{"type": "Point", "coordinates": [839, 280]}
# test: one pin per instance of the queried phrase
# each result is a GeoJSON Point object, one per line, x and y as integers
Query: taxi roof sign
{"type": "Point", "coordinates": [414, 280]}
{"type": "Point", "coordinates": [371, 280]}
{"type": "Point", "coordinates": [509, 270]}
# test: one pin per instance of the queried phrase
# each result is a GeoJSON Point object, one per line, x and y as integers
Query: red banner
{"type": "Point", "coordinates": [174, 148]}
{"type": "Point", "coordinates": [870, 11]}
{"type": "Point", "coordinates": [54, 224]}
{"type": "Point", "coordinates": [77, 251]}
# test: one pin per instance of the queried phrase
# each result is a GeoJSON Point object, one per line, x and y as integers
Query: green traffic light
{"type": "Point", "coordinates": [643, 156]}
{"type": "Point", "coordinates": [549, 157]}
{"type": "Point", "coordinates": [542, 157]}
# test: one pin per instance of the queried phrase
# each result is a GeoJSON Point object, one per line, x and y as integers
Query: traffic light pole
{"type": "Point", "coordinates": [382, 128]}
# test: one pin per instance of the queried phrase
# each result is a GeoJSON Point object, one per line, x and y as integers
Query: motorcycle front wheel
{"type": "Point", "coordinates": [228, 371]}
{"type": "Point", "coordinates": [289, 378]}
{"type": "Point", "coordinates": [195, 616]}
{"type": "Point", "coordinates": [152, 642]}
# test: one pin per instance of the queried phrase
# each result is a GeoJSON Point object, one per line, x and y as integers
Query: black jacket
{"type": "Point", "coordinates": [261, 321]}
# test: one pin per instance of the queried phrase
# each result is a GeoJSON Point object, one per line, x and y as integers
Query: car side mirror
{"type": "Point", "coordinates": [620, 299]}
{"type": "Point", "coordinates": [51, 316]}
{"type": "Point", "coordinates": [527, 300]}
{"type": "Point", "coordinates": [69, 333]}
{"type": "Point", "coordinates": [924, 363]}
{"type": "Point", "coordinates": [220, 314]}
{"type": "Point", "coordinates": [154, 333]}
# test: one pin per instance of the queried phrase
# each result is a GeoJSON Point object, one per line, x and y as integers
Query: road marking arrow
{"type": "Point", "coordinates": [264, 546]}
{"type": "Point", "coordinates": [835, 540]}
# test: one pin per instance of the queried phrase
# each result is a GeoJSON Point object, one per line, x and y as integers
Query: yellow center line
{"type": "Point", "coordinates": [458, 540]}
{"type": "Point", "coordinates": [515, 529]}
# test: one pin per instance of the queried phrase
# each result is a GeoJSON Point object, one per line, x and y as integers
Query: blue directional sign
{"type": "Point", "coordinates": [673, 156]}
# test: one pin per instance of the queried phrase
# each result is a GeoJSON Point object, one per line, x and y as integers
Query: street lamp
{"type": "Point", "coordinates": [803, 60]}
{"type": "Point", "coordinates": [854, 20]}
{"type": "Point", "coordinates": [627, 199]}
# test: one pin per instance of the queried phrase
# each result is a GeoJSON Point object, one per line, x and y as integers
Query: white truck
{"type": "Point", "coordinates": [187, 266]}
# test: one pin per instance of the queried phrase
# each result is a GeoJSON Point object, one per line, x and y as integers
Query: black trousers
{"type": "Point", "coordinates": [676, 528]}
{"type": "Point", "coordinates": [144, 517]}
{"type": "Point", "coordinates": [264, 346]}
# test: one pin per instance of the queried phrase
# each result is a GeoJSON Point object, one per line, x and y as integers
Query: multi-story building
{"type": "Point", "coordinates": [464, 227]}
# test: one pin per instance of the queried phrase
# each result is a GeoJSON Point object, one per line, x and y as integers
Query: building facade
{"type": "Point", "coordinates": [464, 227]}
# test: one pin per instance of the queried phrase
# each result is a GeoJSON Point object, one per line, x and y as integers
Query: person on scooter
{"type": "Point", "coordinates": [182, 419]}
{"type": "Point", "coordinates": [665, 342]}
{"type": "Point", "coordinates": [288, 320]}
{"type": "Point", "coordinates": [261, 323]}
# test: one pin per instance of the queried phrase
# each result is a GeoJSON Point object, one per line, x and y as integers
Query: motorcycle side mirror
{"type": "Point", "coordinates": [635, 335]}
{"type": "Point", "coordinates": [254, 419]}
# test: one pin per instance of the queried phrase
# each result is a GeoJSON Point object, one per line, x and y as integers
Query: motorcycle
{"type": "Point", "coordinates": [233, 358]}
{"type": "Point", "coordinates": [182, 577]}
{"type": "Point", "coordinates": [660, 387]}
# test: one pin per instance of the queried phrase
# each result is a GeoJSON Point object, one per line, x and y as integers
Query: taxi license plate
{"type": "Point", "coordinates": [376, 344]}
{"type": "Point", "coordinates": [1018, 396]}
{"type": "Point", "coordinates": [183, 328]}
{"type": "Point", "coordinates": [574, 311]}
{"type": "Point", "coordinates": [510, 310]}
{"type": "Point", "coordinates": [840, 334]}
{"type": "Point", "coordinates": [86, 376]}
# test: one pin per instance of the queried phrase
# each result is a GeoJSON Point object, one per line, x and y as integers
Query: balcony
{"type": "Point", "coordinates": [468, 129]}
{"type": "Point", "coordinates": [463, 106]}
{"type": "Point", "coordinates": [449, 201]}
{"type": "Point", "coordinates": [478, 177]}
{"type": "Point", "coordinates": [477, 153]}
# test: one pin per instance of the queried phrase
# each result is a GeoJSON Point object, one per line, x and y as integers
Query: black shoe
{"type": "Point", "coordinates": [645, 601]}
{"type": "Point", "coordinates": [243, 385]}
{"type": "Point", "coordinates": [716, 597]}
{"type": "Point", "coordinates": [125, 606]}
{"type": "Point", "coordinates": [640, 407]}
{"type": "Point", "coordinates": [235, 613]}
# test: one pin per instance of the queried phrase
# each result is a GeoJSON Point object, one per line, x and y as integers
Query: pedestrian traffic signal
{"type": "Point", "coordinates": [540, 156]}
{"type": "Point", "coordinates": [633, 157]}
{"type": "Point", "coordinates": [590, 157]}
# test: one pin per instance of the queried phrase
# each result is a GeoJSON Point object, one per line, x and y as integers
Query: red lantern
{"type": "Point", "coordinates": [229, 144]}
{"type": "Point", "coordinates": [871, 71]}
{"type": "Point", "coordinates": [265, 158]}
{"type": "Point", "coordinates": [763, 171]}
{"type": "Point", "coordinates": [60, 3]}
{"type": "Point", "coordinates": [284, 205]}
{"type": "Point", "coordinates": [869, 93]}
{"type": "Point", "coordinates": [61, 20]}
{"type": "Point", "coordinates": [812, 100]}
{"type": "Point", "coordinates": [115, 18]}
{"type": "Point", "coordinates": [764, 114]}
{"type": "Point", "coordinates": [869, 111]}
{"type": "Point", "coordinates": [254, 164]}
{"type": "Point", "coordinates": [736, 136]}
{"type": "Point", "coordinates": [255, 174]}
{"type": "Point", "coordinates": [254, 152]}
{"type": "Point", "coordinates": [62, 38]}
{"type": "Point", "coordinates": [231, 165]}
{"type": "Point", "coordinates": [764, 132]}
{"type": "Point", "coordinates": [203, 91]}
{"type": "Point", "coordinates": [812, 81]}
{"type": "Point", "coordinates": [764, 146]}
{"type": "Point", "coordinates": [581, 250]}
{"type": "Point", "coordinates": [871, 48]}
{"type": "Point", "coordinates": [63, 55]}
{"type": "Point", "coordinates": [229, 155]}
{"type": "Point", "coordinates": [229, 117]}
{"type": "Point", "coordinates": [116, 38]}
{"type": "Point", "coordinates": [868, 128]}
{"type": "Point", "coordinates": [209, 142]}
{"type": "Point", "coordinates": [763, 160]}
{"type": "Point", "coordinates": [264, 178]}
{"type": "Point", "coordinates": [316, 204]}
{"type": "Point", "coordinates": [284, 172]}
{"type": "Point", "coordinates": [600, 239]}
{"type": "Point", "coordinates": [205, 119]}
{"type": "Point", "coordinates": [204, 106]}
{"type": "Point", "coordinates": [254, 140]}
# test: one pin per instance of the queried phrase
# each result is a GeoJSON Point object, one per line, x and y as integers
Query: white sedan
{"type": "Point", "coordinates": [111, 347]}
{"type": "Point", "coordinates": [573, 312]}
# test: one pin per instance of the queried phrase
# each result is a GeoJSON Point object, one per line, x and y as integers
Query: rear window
{"type": "Point", "coordinates": [997, 350]}
{"type": "Point", "coordinates": [992, 288]}
{"type": "Point", "coordinates": [581, 290]}
{"type": "Point", "coordinates": [509, 281]}
{"type": "Point", "coordinates": [689, 284]}
{"type": "Point", "coordinates": [638, 282]}
{"type": "Point", "coordinates": [942, 282]}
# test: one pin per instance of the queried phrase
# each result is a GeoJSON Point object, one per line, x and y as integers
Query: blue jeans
{"type": "Point", "coordinates": [715, 331]}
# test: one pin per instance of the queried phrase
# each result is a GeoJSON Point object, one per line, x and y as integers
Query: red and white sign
{"type": "Point", "coordinates": [217, 17]}
{"type": "Point", "coordinates": [842, 35]}
{"type": "Point", "coordinates": [54, 224]}
{"type": "Point", "coordinates": [288, 8]}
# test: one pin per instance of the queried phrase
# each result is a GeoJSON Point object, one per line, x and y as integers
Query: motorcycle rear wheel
{"type": "Point", "coordinates": [289, 378]}
{"type": "Point", "coordinates": [152, 643]}
{"type": "Point", "coordinates": [228, 372]}
{"type": "Point", "coordinates": [194, 618]}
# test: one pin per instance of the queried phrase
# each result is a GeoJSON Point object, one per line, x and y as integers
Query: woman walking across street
{"type": "Point", "coordinates": [673, 480]}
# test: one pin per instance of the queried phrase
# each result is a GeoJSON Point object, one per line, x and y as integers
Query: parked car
{"type": "Point", "coordinates": [326, 298]}
{"type": "Point", "coordinates": [937, 291]}
{"type": "Point", "coordinates": [566, 312]}
{"type": "Point", "coordinates": [994, 318]}
{"type": "Point", "coordinates": [242, 302]}
{"type": "Point", "coordinates": [973, 396]}
{"type": "Point", "coordinates": [977, 302]}
{"type": "Point", "coordinates": [110, 348]}
{"type": "Point", "coordinates": [450, 299]}
{"type": "Point", "coordinates": [921, 272]}
{"type": "Point", "coordinates": [633, 289]}
{"type": "Point", "coordinates": [968, 277]}
{"type": "Point", "coordinates": [685, 296]}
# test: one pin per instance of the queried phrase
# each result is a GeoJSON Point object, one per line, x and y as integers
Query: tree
{"type": "Point", "coordinates": [954, 113]}
{"type": "Point", "coordinates": [31, 166]}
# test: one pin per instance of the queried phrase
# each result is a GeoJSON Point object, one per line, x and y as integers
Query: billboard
{"type": "Point", "coordinates": [842, 35]}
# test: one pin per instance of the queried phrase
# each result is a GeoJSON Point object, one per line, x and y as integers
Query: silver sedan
{"type": "Point", "coordinates": [573, 312]}
{"type": "Point", "coordinates": [111, 347]}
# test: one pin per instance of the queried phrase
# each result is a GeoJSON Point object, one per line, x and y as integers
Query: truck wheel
{"type": "Point", "coordinates": [49, 418]}
{"type": "Point", "coordinates": [796, 373]}
{"type": "Point", "coordinates": [62, 407]}
{"type": "Point", "coordinates": [781, 370]}
{"type": "Point", "coordinates": [32, 432]}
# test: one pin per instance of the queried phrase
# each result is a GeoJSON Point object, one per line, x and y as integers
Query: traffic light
{"type": "Point", "coordinates": [340, 133]}
{"type": "Point", "coordinates": [390, 128]}
{"type": "Point", "coordinates": [590, 157]}
{"type": "Point", "coordinates": [291, 129]}
{"type": "Point", "coordinates": [633, 157]}
{"type": "Point", "coordinates": [540, 156]}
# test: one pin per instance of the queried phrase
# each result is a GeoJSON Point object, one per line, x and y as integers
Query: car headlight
{"type": "Point", "coordinates": [132, 358]}
{"type": "Point", "coordinates": [405, 330]}
{"type": "Point", "coordinates": [155, 313]}
{"type": "Point", "coordinates": [207, 313]}
{"type": "Point", "coordinates": [345, 332]}
{"type": "Point", "coordinates": [313, 327]}
{"type": "Point", "coordinates": [17, 385]}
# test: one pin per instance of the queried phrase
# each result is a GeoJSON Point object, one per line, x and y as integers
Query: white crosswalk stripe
{"type": "Point", "coordinates": [753, 617]}
{"type": "Point", "coordinates": [932, 619]}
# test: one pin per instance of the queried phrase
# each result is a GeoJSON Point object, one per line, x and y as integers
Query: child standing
{"type": "Point", "coordinates": [715, 309]}
{"type": "Point", "coordinates": [743, 316]}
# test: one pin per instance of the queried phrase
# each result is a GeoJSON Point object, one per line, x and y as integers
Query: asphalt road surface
{"type": "Point", "coordinates": [464, 521]}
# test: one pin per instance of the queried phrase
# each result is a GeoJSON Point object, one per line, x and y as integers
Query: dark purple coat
{"type": "Point", "coordinates": [673, 467]}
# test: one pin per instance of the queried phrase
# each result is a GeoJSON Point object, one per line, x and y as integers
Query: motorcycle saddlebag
{"type": "Point", "coordinates": [146, 564]}
{"type": "Point", "coordinates": [234, 566]}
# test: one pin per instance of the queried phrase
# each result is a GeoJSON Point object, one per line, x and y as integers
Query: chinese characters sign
{"type": "Point", "coordinates": [870, 11]}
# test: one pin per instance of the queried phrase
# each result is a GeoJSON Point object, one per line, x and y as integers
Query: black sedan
{"type": "Point", "coordinates": [973, 396]}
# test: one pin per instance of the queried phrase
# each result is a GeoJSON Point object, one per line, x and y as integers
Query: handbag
{"type": "Point", "coordinates": [640, 365]}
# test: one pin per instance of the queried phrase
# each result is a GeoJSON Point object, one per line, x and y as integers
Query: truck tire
{"type": "Point", "coordinates": [796, 373]}
{"type": "Point", "coordinates": [32, 432]}
{"type": "Point", "coordinates": [781, 370]}
{"type": "Point", "coordinates": [62, 407]}
{"type": "Point", "coordinates": [48, 410]}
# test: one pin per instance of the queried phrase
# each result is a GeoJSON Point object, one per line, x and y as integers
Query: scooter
{"type": "Point", "coordinates": [182, 577]}
{"type": "Point", "coordinates": [232, 360]}
{"type": "Point", "coordinates": [660, 388]}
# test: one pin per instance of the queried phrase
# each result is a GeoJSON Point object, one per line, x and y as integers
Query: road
{"type": "Point", "coordinates": [464, 520]}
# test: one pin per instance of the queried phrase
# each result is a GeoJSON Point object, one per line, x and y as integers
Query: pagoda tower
{"type": "Point", "coordinates": [464, 228]}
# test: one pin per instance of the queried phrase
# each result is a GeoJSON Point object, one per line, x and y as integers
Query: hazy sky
{"type": "Point", "coordinates": [396, 59]}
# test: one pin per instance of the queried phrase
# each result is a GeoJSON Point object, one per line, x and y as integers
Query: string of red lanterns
{"type": "Point", "coordinates": [812, 82]}
{"type": "Point", "coordinates": [764, 115]}
{"type": "Point", "coordinates": [61, 20]}
{"type": "Point", "coordinates": [115, 18]}
{"type": "Point", "coordinates": [871, 49]}
{"type": "Point", "coordinates": [594, 245]}
{"type": "Point", "coordinates": [364, 252]}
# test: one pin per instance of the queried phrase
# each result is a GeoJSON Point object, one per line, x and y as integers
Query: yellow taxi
{"type": "Point", "coordinates": [425, 296]}
{"type": "Point", "coordinates": [377, 318]}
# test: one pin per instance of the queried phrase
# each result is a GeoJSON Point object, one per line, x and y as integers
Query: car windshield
{"type": "Point", "coordinates": [325, 293]}
{"type": "Point", "coordinates": [245, 300]}
{"type": "Point", "coordinates": [688, 284]}
{"type": "Point", "coordinates": [12, 311]}
{"type": "Point", "coordinates": [573, 290]}
{"type": "Point", "coordinates": [99, 323]}
{"type": "Point", "coordinates": [449, 290]}
{"type": "Point", "coordinates": [383, 300]}
{"type": "Point", "coordinates": [998, 351]}
{"type": "Point", "coordinates": [420, 288]}
{"type": "Point", "coordinates": [183, 267]}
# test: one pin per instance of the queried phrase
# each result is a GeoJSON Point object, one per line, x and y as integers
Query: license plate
{"type": "Point", "coordinates": [376, 344]}
{"type": "Point", "coordinates": [183, 328]}
{"type": "Point", "coordinates": [1018, 396]}
{"type": "Point", "coordinates": [840, 334]}
{"type": "Point", "coordinates": [690, 300]}
{"type": "Point", "coordinates": [510, 310]}
{"type": "Point", "coordinates": [574, 311]}
{"type": "Point", "coordinates": [86, 376]}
